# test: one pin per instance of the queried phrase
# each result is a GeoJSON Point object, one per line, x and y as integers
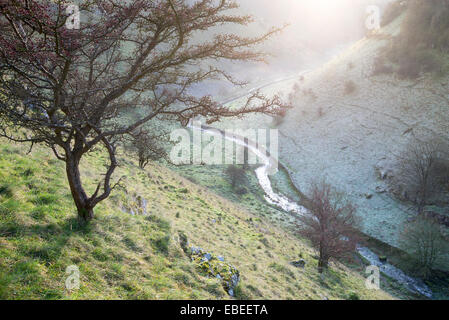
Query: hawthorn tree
{"type": "Point", "coordinates": [330, 224]}
{"type": "Point", "coordinates": [423, 172]}
{"type": "Point", "coordinates": [70, 88]}
{"type": "Point", "coordinates": [148, 147]}
{"type": "Point", "coordinates": [424, 240]}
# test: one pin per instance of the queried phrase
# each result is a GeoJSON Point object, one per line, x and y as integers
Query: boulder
{"type": "Point", "coordinates": [207, 257]}
{"type": "Point", "coordinates": [215, 266]}
{"type": "Point", "coordinates": [135, 205]}
{"type": "Point", "coordinates": [380, 189]}
{"type": "Point", "coordinates": [301, 263]}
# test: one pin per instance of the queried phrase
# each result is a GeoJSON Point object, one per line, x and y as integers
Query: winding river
{"type": "Point", "coordinates": [281, 201]}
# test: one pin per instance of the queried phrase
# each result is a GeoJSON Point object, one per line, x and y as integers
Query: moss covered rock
{"type": "Point", "coordinates": [215, 266]}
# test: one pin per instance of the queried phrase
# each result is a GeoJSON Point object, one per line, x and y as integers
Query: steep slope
{"type": "Point", "coordinates": [350, 127]}
{"type": "Point", "coordinates": [353, 136]}
{"type": "Point", "coordinates": [125, 256]}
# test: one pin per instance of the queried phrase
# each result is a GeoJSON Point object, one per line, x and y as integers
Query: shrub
{"type": "Point", "coordinates": [412, 64]}
{"type": "Point", "coordinates": [423, 41]}
{"type": "Point", "coordinates": [241, 191]}
{"type": "Point", "coordinates": [422, 172]}
{"type": "Point", "coordinates": [147, 147]}
{"type": "Point", "coordinates": [353, 296]}
{"type": "Point", "coordinates": [236, 176]}
{"type": "Point", "coordinates": [425, 242]}
{"type": "Point", "coordinates": [350, 87]}
{"type": "Point", "coordinates": [162, 244]}
{"type": "Point", "coordinates": [427, 23]}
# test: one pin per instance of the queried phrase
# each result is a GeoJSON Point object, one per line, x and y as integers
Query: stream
{"type": "Point", "coordinates": [281, 201]}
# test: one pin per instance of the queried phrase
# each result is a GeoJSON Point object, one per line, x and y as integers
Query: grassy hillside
{"type": "Point", "coordinates": [121, 256]}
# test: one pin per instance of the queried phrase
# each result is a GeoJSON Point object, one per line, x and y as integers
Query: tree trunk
{"type": "Point", "coordinates": [85, 210]}
{"type": "Point", "coordinates": [423, 193]}
{"type": "Point", "coordinates": [422, 201]}
{"type": "Point", "coordinates": [323, 261]}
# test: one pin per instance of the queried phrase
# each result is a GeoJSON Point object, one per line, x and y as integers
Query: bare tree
{"type": "Point", "coordinates": [330, 224]}
{"type": "Point", "coordinates": [424, 241]}
{"type": "Point", "coordinates": [149, 146]}
{"type": "Point", "coordinates": [69, 88]}
{"type": "Point", "coordinates": [423, 171]}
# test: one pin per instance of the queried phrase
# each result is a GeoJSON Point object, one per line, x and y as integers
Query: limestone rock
{"type": "Point", "coordinates": [215, 267]}
{"type": "Point", "coordinates": [301, 263]}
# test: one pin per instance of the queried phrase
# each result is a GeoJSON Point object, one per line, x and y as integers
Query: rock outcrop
{"type": "Point", "coordinates": [216, 267]}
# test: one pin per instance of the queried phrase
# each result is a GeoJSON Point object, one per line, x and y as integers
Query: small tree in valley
{"type": "Point", "coordinates": [423, 171]}
{"type": "Point", "coordinates": [424, 240]}
{"type": "Point", "coordinates": [148, 147]}
{"type": "Point", "coordinates": [330, 224]}
{"type": "Point", "coordinates": [236, 175]}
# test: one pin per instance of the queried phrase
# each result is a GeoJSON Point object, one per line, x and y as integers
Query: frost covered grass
{"type": "Point", "coordinates": [353, 139]}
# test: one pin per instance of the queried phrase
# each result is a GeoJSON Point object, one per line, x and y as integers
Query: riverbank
{"type": "Point", "coordinates": [262, 173]}
{"type": "Point", "coordinates": [435, 288]}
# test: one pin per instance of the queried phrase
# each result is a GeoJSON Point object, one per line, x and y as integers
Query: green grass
{"type": "Point", "coordinates": [214, 178]}
{"type": "Point", "coordinates": [136, 257]}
